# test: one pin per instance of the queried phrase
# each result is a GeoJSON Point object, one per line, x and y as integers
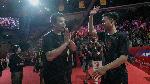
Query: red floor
{"type": "Point", "coordinates": [136, 76]}
{"type": "Point", "coordinates": [29, 76]}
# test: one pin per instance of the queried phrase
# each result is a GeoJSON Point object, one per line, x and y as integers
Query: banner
{"type": "Point", "coordinates": [103, 2]}
{"type": "Point", "coordinates": [140, 57]}
{"type": "Point", "coordinates": [94, 0]}
{"type": "Point", "coordinates": [61, 5]}
{"type": "Point", "coordinates": [81, 4]}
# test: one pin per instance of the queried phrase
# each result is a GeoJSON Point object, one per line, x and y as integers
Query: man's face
{"type": "Point", "coordinates": [19, 50]}
{"type": "Point", "coordinates": [60, 23]}
{"type": "Point", "coordinates": [107, 23]}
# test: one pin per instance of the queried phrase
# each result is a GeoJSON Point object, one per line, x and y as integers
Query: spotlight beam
{"type": "Point", "coordinates": [34, 2]}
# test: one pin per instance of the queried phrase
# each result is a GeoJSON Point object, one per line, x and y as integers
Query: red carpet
{"type": "Point", "coordinates": [29, 76]}
{"type": "Point", "coordinates": [136, 76]}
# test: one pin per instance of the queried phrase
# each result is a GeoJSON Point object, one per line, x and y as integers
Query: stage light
{"type": "Point", "coordinates": [40, 11]}
{"type": "Point", "coordinates": [34, 2]}
{"type": "Point", "coordinates": [47, 9]}
{"type": "Point", "coordinates": [68, 1]}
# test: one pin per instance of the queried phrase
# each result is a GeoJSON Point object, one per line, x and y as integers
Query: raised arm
{"type": "Point", "coordinates": [91, 29]}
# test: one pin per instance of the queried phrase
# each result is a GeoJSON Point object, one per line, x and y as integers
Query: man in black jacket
{"type": "Point", "coordinates": [16, 65]}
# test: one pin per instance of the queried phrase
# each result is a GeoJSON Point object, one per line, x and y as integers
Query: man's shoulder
{"type": "Point", "coordinates": [101, 34]}
{"type": "Point", "coordinates": [12, 55]}
{"type": "Point", "coordinates": [48, 35]}
{"type": "Point", "coordinates": [123, 34]}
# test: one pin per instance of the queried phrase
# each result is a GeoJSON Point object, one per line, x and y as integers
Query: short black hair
{"type": "Point", "coordinates": [54, 16]}
{"type": "Point", "coordinates": [112, 15]}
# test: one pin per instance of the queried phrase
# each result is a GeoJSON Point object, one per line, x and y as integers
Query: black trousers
{"type": "Point", "coordinates": [68, 76]}
{"type": "Point", "coordinates": [59, 78]}
{"type": "Point", "coordinates": [58, 75]}
{"type": "Point", "coordinates": [114, 78]}
{"type": "Point", "coordinates": [16, 77]}
{"type": "Point", "coordinates": [56, 80]}
{"type": "Point", "coordinates": [0, 73]}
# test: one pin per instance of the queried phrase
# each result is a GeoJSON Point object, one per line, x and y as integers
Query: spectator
{"type": "Point", "coordinates": [16, 65]}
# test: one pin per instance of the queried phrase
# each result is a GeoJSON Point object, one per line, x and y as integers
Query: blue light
{"type": "Point", "coordinates": [34, 2]}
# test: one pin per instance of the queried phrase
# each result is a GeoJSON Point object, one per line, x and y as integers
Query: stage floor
{"type": "Point", "coordinates": [136, 76]}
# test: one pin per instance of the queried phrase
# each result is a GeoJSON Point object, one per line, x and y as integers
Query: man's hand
{"type": "Point", "coordinates": [94, 10]}
{"type": "Point", "coordinates": [72, 46]}
{"type": "Point", "coordinates": [98, 73]}
{"type": "Point", "coordinates": [67, 36]}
